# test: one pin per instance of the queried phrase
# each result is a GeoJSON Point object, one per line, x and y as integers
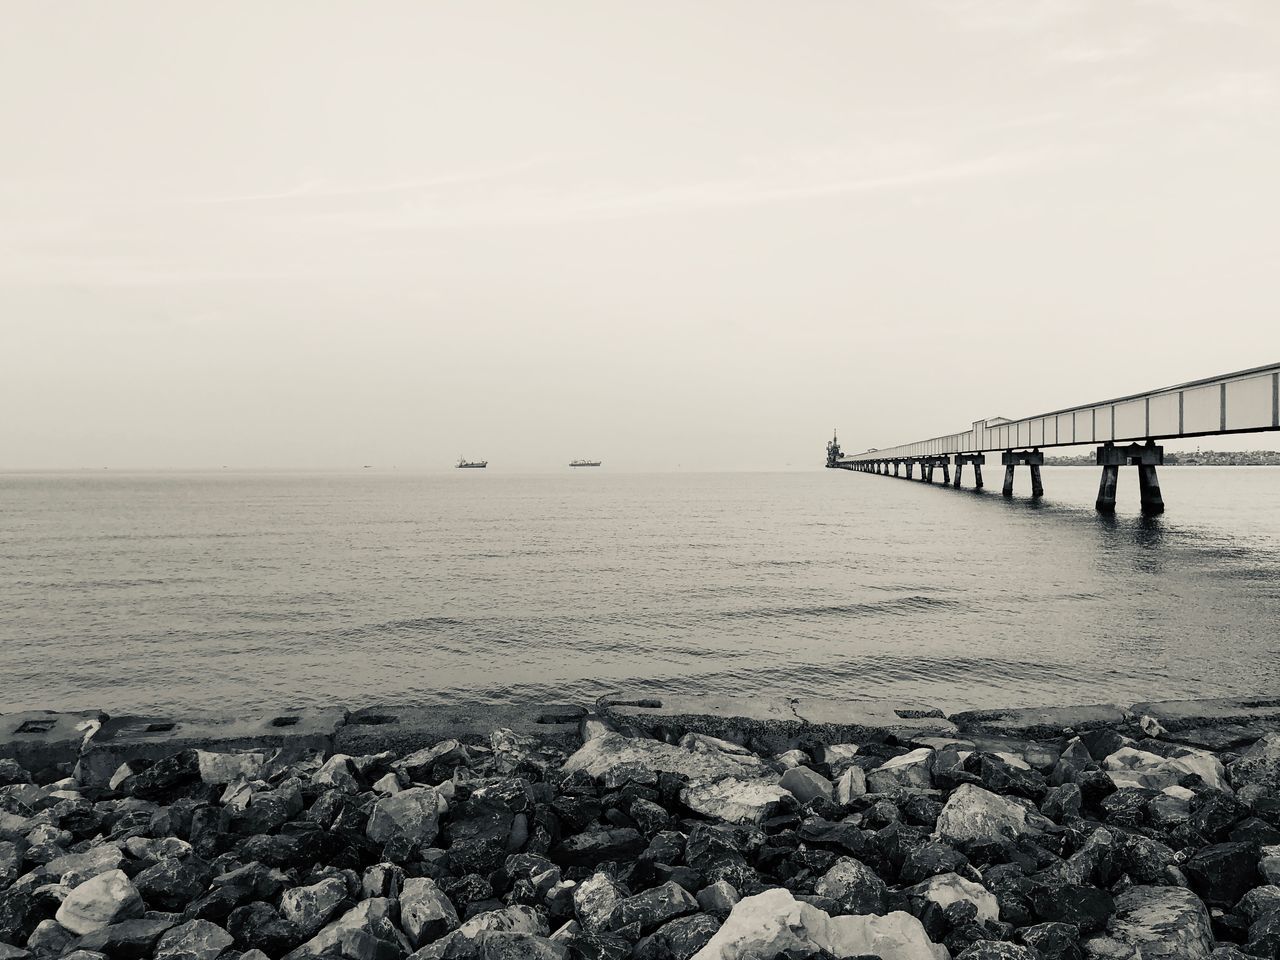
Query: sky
{"type": "Point", "coordinates": [671, 235]}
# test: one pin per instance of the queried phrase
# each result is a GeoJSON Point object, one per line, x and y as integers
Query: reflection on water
{"type": "Point", "coordinates": [203, 592]}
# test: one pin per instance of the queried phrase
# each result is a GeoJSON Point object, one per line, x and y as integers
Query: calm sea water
{"type": "Point", "coordinates": [218, 592]}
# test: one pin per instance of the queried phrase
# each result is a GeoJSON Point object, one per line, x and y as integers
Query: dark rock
{"type": "Point", "coordinates": [597, 846]}
{"type": "Point", "coordinates": [844, 837]}
{"type": "Point", "coordinates": [1062, 802]}
{"type": "Point", "coordinates": [464, 891]}
{"type": "Point", "coordinates": [1214, 813]}
{"type": "Point", "coordinates": [679, 939]}
{"type": "Point", "coordinates": [600, 946]}
{"type": "Point", "coordinates": [649, 816]}
{"type": "Point", "coordinates": [930, 859]}
{"type": "Point", "coordinates": [1088, 908]}
{"type": "Point", "coordinates": [1127, 806]}
{"type": "Point", "coordinates": [193, 940]}
{"type": "Point", "coordinates": [258, 926]}
{"type": "Point", "coordinates": [1000, 776]}
{"type": "Point", "coordinates": [1054, 941]}
{"type": "Point", "coordinates": [127, 939]}
{"type": "Point", "coordinates": [854, 886]}
{"type": "Point", "coordinates": [1256, 831]}
{"type": "Point", "coordinates": [172, 884]}
{"type": "Point", "coordinates": [164, 779]}
{"type": "Point", "coordinates": [996, 950]}
{"type": "Point", "coordinates": [1223, 872]}
{"type": "Point", "coordinates": [1013, 890]}
{"type": "Point", "coordinates": [652, 908]}
{"type": "Point", "coordinates": [478, 835]}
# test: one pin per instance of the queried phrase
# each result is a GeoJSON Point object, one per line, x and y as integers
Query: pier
{"type": "Point", "coordinates": [1126, 430]}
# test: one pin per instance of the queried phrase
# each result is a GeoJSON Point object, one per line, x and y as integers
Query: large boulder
{"type": "Point", "coordinates": [376, 917]}
{"type": "Point", "coordinates": [973, 814]}
{"type": "Point", "coordinates": [616, 760]}
{"type": "Point", "coordinates": [911, 771]}
{"type": "Point", "coordinates": [853, 885]}
{"type": "Point", "coordinates": [594, 900]}
{"type": "Point", "coordinates": [770, 923]}
{"type": "Point", "coordinates": [734, 800]}
{"type": "Point", "coordinates": [411, 815]}
{"type": "Point", "coordinates": [426, 914]}
{"type": "Point", "coordinates": [945, 889]}
{"type": "Point", "coordinates": [309, 908]}
{"type": "Point", "coordinates": [1259, 765]}
{"type": "Point", "coordinates": [1222, 873]}
{"type": "Point", "coordinates": [1155, 923]}
{"type": "Point", "coordinates": [652, 908]}
{"type": "Point", "coordinates": [107, 898]}
{"type": "Point", "coordinates": [1130, 767]}
{"type": "Point", "coordinates": [805, 784]}
{"type": "Point", "coordinates": [194, 940]}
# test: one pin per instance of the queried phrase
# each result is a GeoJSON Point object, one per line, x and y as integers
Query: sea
{"type": "Point", "coordinates": [219, 593]}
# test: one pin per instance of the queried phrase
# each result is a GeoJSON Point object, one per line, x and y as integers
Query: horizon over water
{"type": "Point", "coordinates": [221, 591]}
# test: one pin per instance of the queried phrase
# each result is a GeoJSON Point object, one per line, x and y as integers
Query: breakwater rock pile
{"type": "Point", "coordinates": [1106, 843]}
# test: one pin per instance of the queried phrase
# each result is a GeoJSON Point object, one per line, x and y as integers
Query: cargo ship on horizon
{"type": "Point", "coordinates": [584, 463]}
{"type": "Point", "coordinates": [465, 464]}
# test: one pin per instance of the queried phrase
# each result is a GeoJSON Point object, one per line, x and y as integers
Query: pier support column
{"type": "Point", "coordinates": [1149, 485]}
{"type": "Point", "coordinates": [911, 467]}
{"type": "Point", "coordinates": [959, 470]}
{"type": "Point", "coordinates": [946, 472]}
{"type": "Point", "coordinates": [977, 474]}
{"type": "Point", "coordinates": [1106, 502]}
{"type": "Point", "coordinates": [1033, 459]}
{"type": "Point", "coordinates": [974, 459]}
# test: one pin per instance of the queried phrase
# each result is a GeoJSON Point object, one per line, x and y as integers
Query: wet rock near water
{"type": "Point", "coordinates": [1113, 844]}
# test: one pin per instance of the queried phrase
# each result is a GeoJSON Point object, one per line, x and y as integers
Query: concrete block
{"type": "Point", "coordinates": [775, 723]}
{"type": "Point", "coordinates": [39, 739]}
{"type": "Point", "coordinates": [1041, 723]}
{"type": "Point", "coordinates": [1177, 715]}
{"type": "Point", "coordinates": [403, 728]}
{"type": "Point", "coordinates": [152, 738]}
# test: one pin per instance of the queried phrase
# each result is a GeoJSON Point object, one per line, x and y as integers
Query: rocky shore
{"type": "Point", "coordinates": [632, 839]}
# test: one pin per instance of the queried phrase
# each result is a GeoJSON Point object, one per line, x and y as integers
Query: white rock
{"type": "Point", "coordinates": [388, 784]}
{"type": "Point", "coordinates": [805, 784]}
{"type": "Point", "coordinates": [852, 783]}
{"type": "Point", "coordinates": [375, 916]}
{"type": "Point", "coordinates": [1155, 922]}
{"type": "Point", "coordinates": [123, 773]}
{"type": "Point", "coordinates": [107, 898]}
{"type": "Point", "coordinates": [594, 900]}
{"type": "Point", "coordinates": [220, 768]}
{"type": "Point", "coordinates": [95, 860]}
{"type": "Point", "coordinates": [913, 771]}
{"type": "Point", "coordinates": [1129, 767]}
{"type": "Point", "coordinates": [514, 919]}
{"type": "Point", "coordinates": [838, 756]}
{"type": "Point", "coordinates": [701, 743]}
{"type": "Point", "coordinates": [1269, 863]}
{"type": "Point", "coordinates": [426, 914]}
{"type": "Point", "coordinates": [734, 800]}
{"type": "Point", "coordinates": [948, 888]}
{"type": "Point", "coordinates": [973, 813]}
{"type": "Point", "coordinates": [618, 760]}
{"type": "Point", "coordinates": [311, 907]}
{"type": "Point", "coordinates": [774, 921]}
{"type": "Point", "coordinates": [791, 758]}
{"type": "Point", "coordinates": [339, 771]}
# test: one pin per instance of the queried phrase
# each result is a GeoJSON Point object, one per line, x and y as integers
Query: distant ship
{"type": "Point", "coordinates": [465, 464]}
{"type": "Point", "coordinates": [584, 463]}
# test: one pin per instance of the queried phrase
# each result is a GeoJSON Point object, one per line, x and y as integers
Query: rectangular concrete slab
{"type": "Point", "coordinates": [1041, 723]}
{"type": "Point", "coordinates": [774, 723]}
{"type": "Point", "coordinates": [1175, 715]}
{"type": "Point", "coordinates": [38, 739]}
{"type": "Point", "coordinates": [403, 728]}
{"type": "Point", "coordinates": [151, 738]}
{"type": "Point", "coordinates": [1226, 736]}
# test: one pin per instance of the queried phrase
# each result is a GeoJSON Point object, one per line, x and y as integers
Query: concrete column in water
{"type": "Point", "coordinates": [1033, 459]}
{"type": "Point", "coordinates": [911, 468]}
{"type": "Point", "coordinates": [977, 474]}
{"type": "Point", "coordinates": [1037, 488]}
{"type": "Point", "coordinates": [959, 470]}
{"type": "Point", "coordinates": [1008, 480]}
{"type": "Point", "coordinates": [1106, 502]}
{"type": "Point", "coordinates": [945, 464]}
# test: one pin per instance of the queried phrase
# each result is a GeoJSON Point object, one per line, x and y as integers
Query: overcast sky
{"type": "Point", "coordinates": [695, 234]}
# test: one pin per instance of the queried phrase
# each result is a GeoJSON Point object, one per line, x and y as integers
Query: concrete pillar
{"type": "Point", "coordinates": [946, 472]}
{"type": "Point", "coordinates": [1149, 485]}
{"type": "Point", "coordinates": [959, 470]}
{"type": "Point", "coordinates": [977, 477]}
{"type": "Point", "coordinates": [1106, 502]}
{"type": "Point", "coordinates": [1037, 488]}
{"type": "Point", "coordinates": [1008, 480]}
{"type": "Point", "coordinates": [911, 469]}
{"type": "Point", "coordinates": [927, 470]}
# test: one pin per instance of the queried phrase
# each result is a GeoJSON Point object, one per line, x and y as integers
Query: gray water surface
{"type": "Point", "coordinates": [210, 593]}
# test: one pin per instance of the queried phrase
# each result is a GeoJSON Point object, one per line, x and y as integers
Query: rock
{"type": "Point", "coordinates": [597, 846]}
{"type": "Point", "coordinates": [997, 950]}
{"type": "Point", "coordinates": [1259, 765]}
{"type": "Point", "coordinates": [1222, 873]}
{"type": "Point", "coordinates": [594, 900]}
{"type": "Point", "coordinates": [948, 888]}
{"type": "Point", "coordinates": [425, 912]}
{"type": "Point", "coordinates": [259, 926]}
{"type": "Point", "coordinates": [1086, 907]}
{"type": "Point", "coordinates": [129, 938]}
{"type": "Point", "coordinates": [514, 919]}
{"type": "Point", "coordinates": [50, 938]}
{"type": "Point", "coordinates": [220, 768]}
{"type": "Point", "coordinates": [678, 940]}
{"type": "Point", "coordinates": [412, 815]}
{"type": "Point", "coordinates": [718, 898]}
{"type": "Point", "coordinates": [107, 898]}
{"type": "Point", "coordinates": [311, 907]}
{"type": "Point", "coordinates": [388, 784]}
{"type": "Point", "coordinates": [1062, 802]}
{"type": "Point", "coordinates": [1258, 901]}
{"type": "Point", "coordinates": [734, 800]}
{"type": "Point", "coordinates": [172, 884]}
{"type": "Point", "coordinates": [194, 940]}
{"type": "Point", "coordinates": [804, 784]}
{"type": "Point", "coordinates": [770, 923]}
{"type": "Point", "coordinates": [164, 778]}
{"type": "Point", "coordinates": [974, 814]}
{"type": "Point", "coordinates": [1269, 864]}
{"type": "Point", "coordinates": [1054, 941]}
{"type": "Point", "coordinates": [852, 783]}
{"type": "Point", "coordinates": [853, 885]}
{"type": "Point", "coordinates": [1214, 814]}
{"type": "Point", "coordinates": [652, 908]}
{"type": "Point", "coordinates": [930, 859]}
{"type": "Point", "coordinates": [74, 868]}
{"type": "Point", "coordinates": [911, 771]}
{"type": "Point", "coordinates": [1155, 923]}
{"type": "Point", "coordinates": [615, 760]}
{"type": "Point", "coordinates": [375, 917]}
{"type": "Point", "coordinates": [1129, 767]}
